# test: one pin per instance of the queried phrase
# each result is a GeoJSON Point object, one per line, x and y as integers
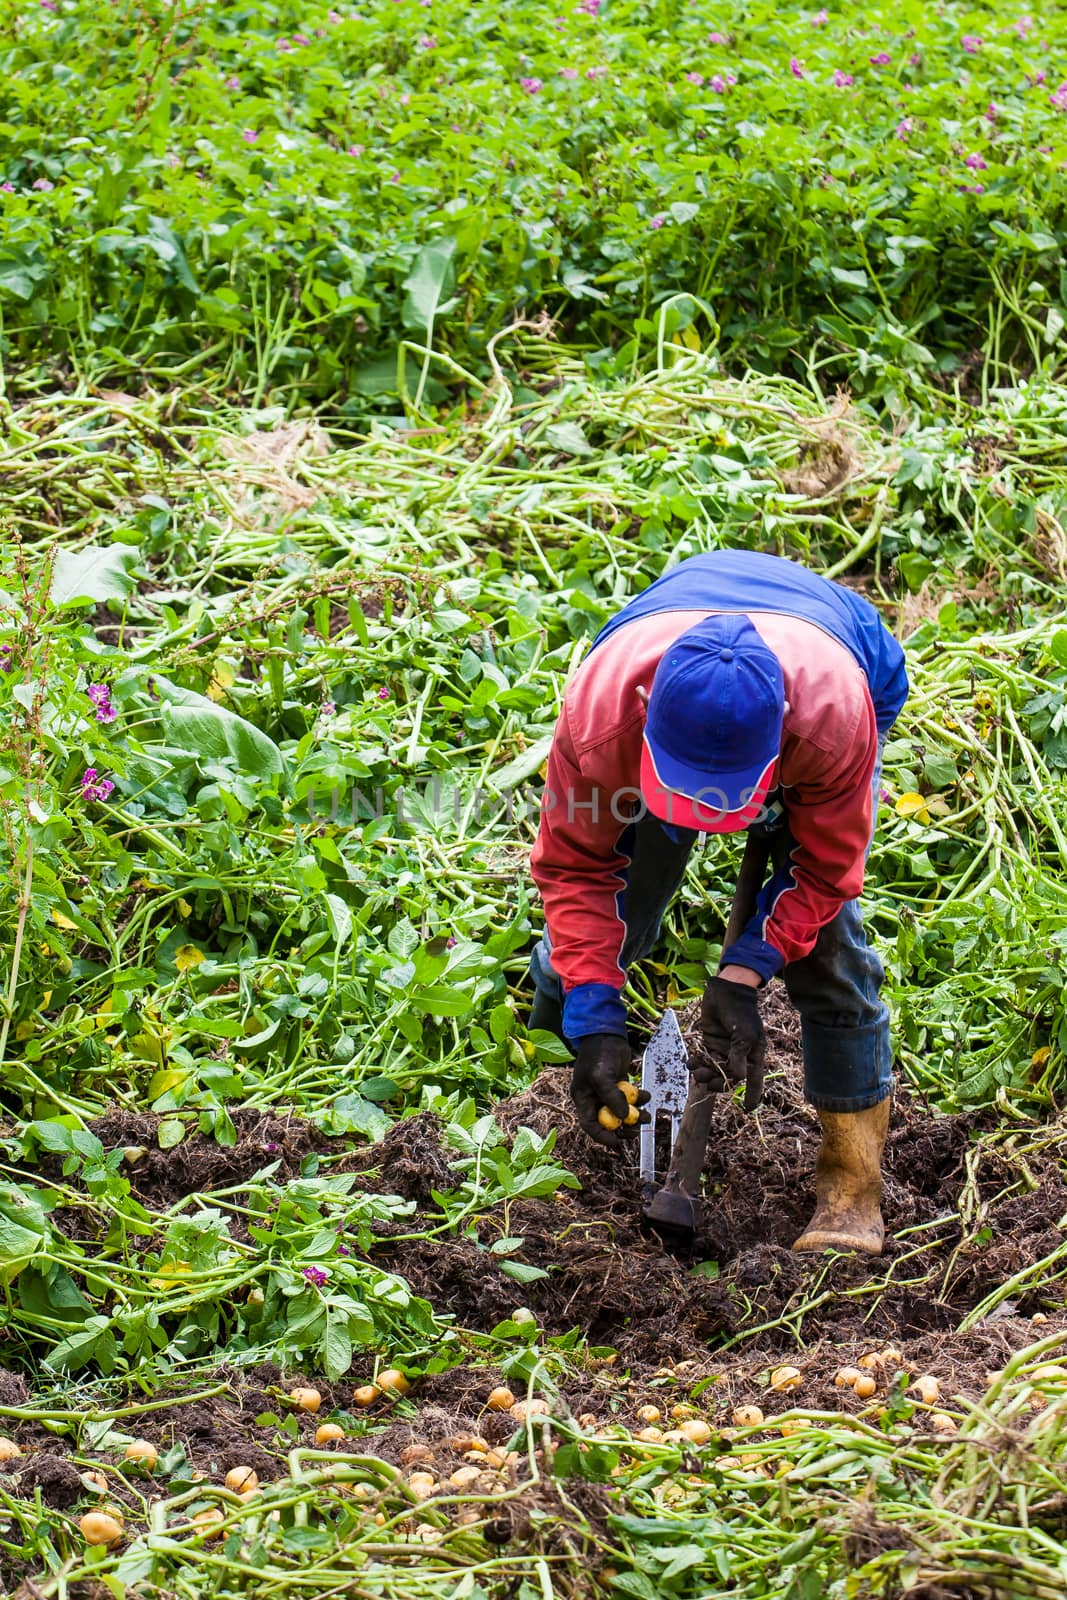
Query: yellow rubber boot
{"type": "Point", "coordinates": [848, 1182]}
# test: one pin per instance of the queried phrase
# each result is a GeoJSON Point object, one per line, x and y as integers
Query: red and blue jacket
{"type": "Point", "coordinates": [845, 683]}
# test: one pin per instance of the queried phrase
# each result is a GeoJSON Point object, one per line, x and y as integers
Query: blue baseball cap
{"type": "Point", "coordinates": [713, 731]}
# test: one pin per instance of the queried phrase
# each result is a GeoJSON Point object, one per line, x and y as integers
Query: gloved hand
{"type": "Point", "coordinates": [734, 1038]}
{"type": "Point", "coordinates": [602, 1060]}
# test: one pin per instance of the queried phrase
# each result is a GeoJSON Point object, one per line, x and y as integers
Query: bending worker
{"type": "Point", "coordinates": [738, 690]}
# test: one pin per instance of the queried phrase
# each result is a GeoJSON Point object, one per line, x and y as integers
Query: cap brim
{"type": "Point", "coordinates": [687, 799]}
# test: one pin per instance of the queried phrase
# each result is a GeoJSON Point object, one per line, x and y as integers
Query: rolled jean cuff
{"type": "Point", "coordinates": [847, 1069]}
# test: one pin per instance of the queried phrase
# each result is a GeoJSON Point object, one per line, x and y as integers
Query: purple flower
{"type": "Point", "coordinates": [1038, 77]}
{"type": "Point", "coordinates": [976, 162]}
{"type": "Point", "coordinates": [43, 184]}
{"type": "Point", "coordinates": [843, 80]}
{"type": "Point", "coordinates": [334, 16]}
{"type": "Point", "coordinates": [283, 44]}
{"type": "Point", "coordinates": [5, 657]}
{"type": "Point", "coordinates": [973, 188]}
{"type": "Point", "coordinates": [992, 111]}
{"type": "Point", "coordinates": [590, 7]}
{"type": "Point", "coordinates": [383, 693]}
{"type": "Point", "coordinates": [796, 67]}
{"type": "Point", "coordinates": [8, 188]}
{"type": "Point", "coordinates": [971, 43]}
{"type": "Point", "coordinates": [820, 17]}
{"type": "Point", "coordinates": [450, 943]}
{"type": "Point", "coordinates": [427, 42]}
{"type": "Point", "coordinates": [100, 695]}
{"type": "Point", "coordinates": [343, 1250]}
{"type": "Point", "coordinates": [884, 795]}
{"type": "Point", "coordinates": [250, 135]}
{"type": "Point", "coordinates": [658, 220]}
{"type": "Point", "coordinates": [904, 127]}
{"type": "Point", "coordinates": [94, 787]}
{"type": "Point", "coordinates": [717, 83]}
{"type": "Point", "coordinates": [717, 38]}
{"type": "Point", "coordinates": [48, 5]}
{"type": "Point", "coordinates": [915, 59]}
{"type": "Point", "coordinates": [882, 59]}
{"type": "Point", "coordinates": [531, 85]}
{"type": "Point", "coordinates": [301, 39]}
{"type": "Point", "coordinates": [1023, 26]}
{"type": "Point", "coordinates": [1058, 98]}
{"type": "Point", "coordinates": [696, 79]}
{"type": "Point", "coordinates": [315, 1275]}
{"type": "Point", "coordinates": [328, 709]}
{"type": "Point", "coordinates": [356, 149]}
{"type": "Point", "coordinates": [595, 72]}
{"type": "Point", "coordinates": [232, 83]}
{"type": "Point", "coordinates": [568, 72]}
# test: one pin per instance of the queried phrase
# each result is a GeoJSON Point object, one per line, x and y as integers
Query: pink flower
{"type": "Point", "coordinates": [796, 67]}
{"type": "Point", "coordinates": [8, 188]}
{"type": "Point", "coordinates": [843, 80]}
{"type": "Point", "coordinates": [450, 943]}
{"type": "Point", "coordinates": [315, 1275]}
{"type": "Point", "coordinates": [717, 84]}
{"type": "Point", "coordinates": [334, 16]}
{"type": "Point", "coordinates": [882, 59]}
{"type": "Point", "coordinates": [1057, 99]}
{"type": "Point", "coordinates": [696, 79]}
{"type": "Point", "coordinates": [595, 72]}
{"type": "Point", "coordinates": [93, 787]}
{"type": "Point", "coordinates": [658, 220]}
{"type": "Point", "coordinates": [971, 43]}
{"type": "Point", "coordinates": [915, 59]}
{"type": "Point", "coordinates": [283, 45]}
{"type": "Point", "coordinates": [232, 83]}
{"type": "Point", "coordinates": [717, 38]}
{"type": "Point", "coordinates": [43, 184]}
{"type": "Point", "coordinates": [590, 7]}
{"type": "Point", "coordinates": [976, 162]}
{"type": "Point", "coordinates": [904, 127]}
{"type": "Point", "coordinates": [568, 72]}
{"type": "Point", "coordinates": [427, 42]}
{"type": "Point", "coordinates": [1039, 77]}
{"type": "Point", "coordinates": [394, 177]}
{"type": "Point", "coordinates": [356, 150]}
{"type": "Point", "coordinates": [48, 5]}
{"type": "Point", "coordinates": [249, 135]}
{"type": "Point", "coordinates": [301, 39]}
{"type": "Point", "coordinates": [531, 85]}
{"type": "Point", "coordinates": [383, 693]}
{"type": "Point", "coordinates": [973, 188]}
{"type": "Point", "coordinates": [820, 17]}
{"type": "Point", "coordinates": [992, 111]}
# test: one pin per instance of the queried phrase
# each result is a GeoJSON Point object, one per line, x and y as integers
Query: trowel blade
{"type": "Point", "coordinates": [665, 1075]}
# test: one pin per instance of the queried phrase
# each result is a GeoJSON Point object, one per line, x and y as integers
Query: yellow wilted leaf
{"type": "Point", "coordinates": [691, 337]}
{"type": "Point", "coordinates": [1039, 1057]}
{"type": "Point", "coordinates": [63, 922]}
{"type": "Point", "coordinates": [180, 1269]}
{"type": "Point", "coordinates": [105, 1009]}
{"type": "Point", "coordinates": [187, 957]}
{"type": "Point", "coordinates": [46, 1000]}
{"type": "Point", "coordinates": [222, 678]}
{"type": "Point", "coordinates": [912, 805]}
{"type": "Point", "coordinates": [23, 1030]}
{"type": "Point", "coordinates": [163, 1082]}
{"type": "Point", "coordinates": [184, 908]}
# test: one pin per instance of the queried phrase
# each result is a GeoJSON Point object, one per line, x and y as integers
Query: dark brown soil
{"type": "Point", "coordinates": [57, 1478]}
{"type": "Point", "coordinates": [199, 1165]}
{"type": "Point", "coordinates": [963, 1215]}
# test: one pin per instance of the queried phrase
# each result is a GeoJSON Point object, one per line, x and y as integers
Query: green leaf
{"type": "Point", "coordinates": [87, 576]}
{"type": "Point", "coordinates": [1058, 646]}
{"type": "Point", "coordinates": [212, 733]}
{"type": "Point", "coordinates": [171, 1132]}
{"type": "Point", "coordinates": [428, 284]}
{"type": "Point", "coordinates": [442, 1000]}
{"type": "Point", "coordinates": [521, 1272]}
{"type": "Point", "coordinates": [339, 918]}
{"type": "Point", "coordinates": [568, 438]}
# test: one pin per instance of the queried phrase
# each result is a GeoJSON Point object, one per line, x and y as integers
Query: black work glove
{"type": "Point", "coordinates": [602, 1060]}
{"type": "Point", "coordinates": [734, 1038]}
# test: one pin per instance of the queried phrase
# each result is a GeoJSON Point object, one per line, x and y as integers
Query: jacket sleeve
{"type": "Point", "coordinates": [579, 863]}
{"type": "Point", "coordinates": [830, 815]}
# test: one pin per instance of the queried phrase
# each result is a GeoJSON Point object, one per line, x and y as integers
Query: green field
{"type": "Point", "coordinates": [355, 366]}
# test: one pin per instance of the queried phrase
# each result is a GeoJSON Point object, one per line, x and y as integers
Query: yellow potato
{"type": "Point", "coordinates": [98, 1528]}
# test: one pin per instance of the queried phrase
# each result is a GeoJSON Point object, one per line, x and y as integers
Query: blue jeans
{"type": "Point", "coordinates": [844, 1024]}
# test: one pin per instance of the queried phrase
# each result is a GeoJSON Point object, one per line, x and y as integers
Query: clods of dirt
{"type": "Point", "coordinates": [408, 1160]}
{"type": "Point", "coordinates": [57, 1478]}
{"type": "Point", "coordinates": [199, 1164]}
